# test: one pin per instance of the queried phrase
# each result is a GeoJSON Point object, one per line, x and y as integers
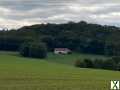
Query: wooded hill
{"type": "Point", "coordinates": [80, 37]}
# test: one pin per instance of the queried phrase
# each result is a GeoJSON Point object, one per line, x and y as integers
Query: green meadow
{"type": "Point", "coordinates": [71, 58]}
{"type": "Point", "coordinates": [56, 72]}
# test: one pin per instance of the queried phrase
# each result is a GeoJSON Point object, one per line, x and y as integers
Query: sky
{"type": "Point", "coordinates": [18, 13]}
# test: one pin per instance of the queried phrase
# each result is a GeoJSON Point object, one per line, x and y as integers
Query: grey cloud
{"type": "Point", "coordinates": [27, 12]}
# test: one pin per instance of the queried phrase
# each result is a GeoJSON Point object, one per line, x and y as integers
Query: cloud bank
{"type": "Point", "coordinates": [17, 13]}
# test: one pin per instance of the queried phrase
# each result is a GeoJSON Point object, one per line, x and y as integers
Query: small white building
{"type": "Point", "coordinates": [62, 51]}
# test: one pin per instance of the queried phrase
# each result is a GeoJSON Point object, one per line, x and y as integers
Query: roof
{"type": "Point", "coordinates": [62, 49]}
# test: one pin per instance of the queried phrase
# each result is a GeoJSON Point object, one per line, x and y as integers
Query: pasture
{"type": "Point", "coordinates": [71, 58]}
{"type": "Point", "coordinates": [53, 73]}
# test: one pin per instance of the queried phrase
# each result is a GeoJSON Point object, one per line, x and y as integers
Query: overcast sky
{"type": "Point", "coordinates": [17, 13]}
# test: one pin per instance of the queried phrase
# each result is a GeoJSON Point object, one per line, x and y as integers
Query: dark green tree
{"type": "Point", "coordinates": [33, 49]}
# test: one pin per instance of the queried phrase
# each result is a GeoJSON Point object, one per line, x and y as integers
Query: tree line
{"type": "Point", "coordinates": [108, 64]}
{"type": "Point", "coordinates": [79, 37]}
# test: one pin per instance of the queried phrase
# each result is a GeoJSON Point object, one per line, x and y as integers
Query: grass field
{"type": "Point", "coordinates": [71, 58]}
{"type": "Point", "coordinates": [18, 73]}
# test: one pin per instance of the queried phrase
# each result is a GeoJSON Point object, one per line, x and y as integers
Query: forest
{"type": "Point", "coordinates": [80, 37]}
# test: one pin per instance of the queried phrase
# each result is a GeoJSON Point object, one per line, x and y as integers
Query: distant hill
{"type": "Point", "coordinates": [80, 37]}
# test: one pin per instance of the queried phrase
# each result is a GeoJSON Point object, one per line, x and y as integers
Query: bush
{"type": "Point", "coordinates": [118, 66]}
{"type": "Point", "coordinates": [116, 59]}
{"type": "Point", "coordinates": [98, 63]}
{"type": "Point", "coordinates": [87, 63]}
{"type": "Point", "coordinates": [24, 49]}
{"type": "Point", "coordinates": [108, 64]}
{"type": "Point", "coordinates": [80, 63]}
{"type": "Point", "coordinates": [33, 49]}
{"type": "Point", "coordinates": [77, 63]}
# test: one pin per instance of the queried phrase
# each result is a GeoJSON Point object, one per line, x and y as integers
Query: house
{"type": "Point", "coordinates": [62, 51]}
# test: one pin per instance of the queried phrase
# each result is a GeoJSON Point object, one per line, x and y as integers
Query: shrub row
{"type": "Point", "coordinates": [109, 64]}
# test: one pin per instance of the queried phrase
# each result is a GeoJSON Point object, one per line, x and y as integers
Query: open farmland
{"type": "Point", "coordinates": [18, 73]}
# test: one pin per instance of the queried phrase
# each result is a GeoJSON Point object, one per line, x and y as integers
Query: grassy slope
{"type": "Point", "coordinates": [71, 58]}
{"type": "Point", "coordinates": [17, 73]}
